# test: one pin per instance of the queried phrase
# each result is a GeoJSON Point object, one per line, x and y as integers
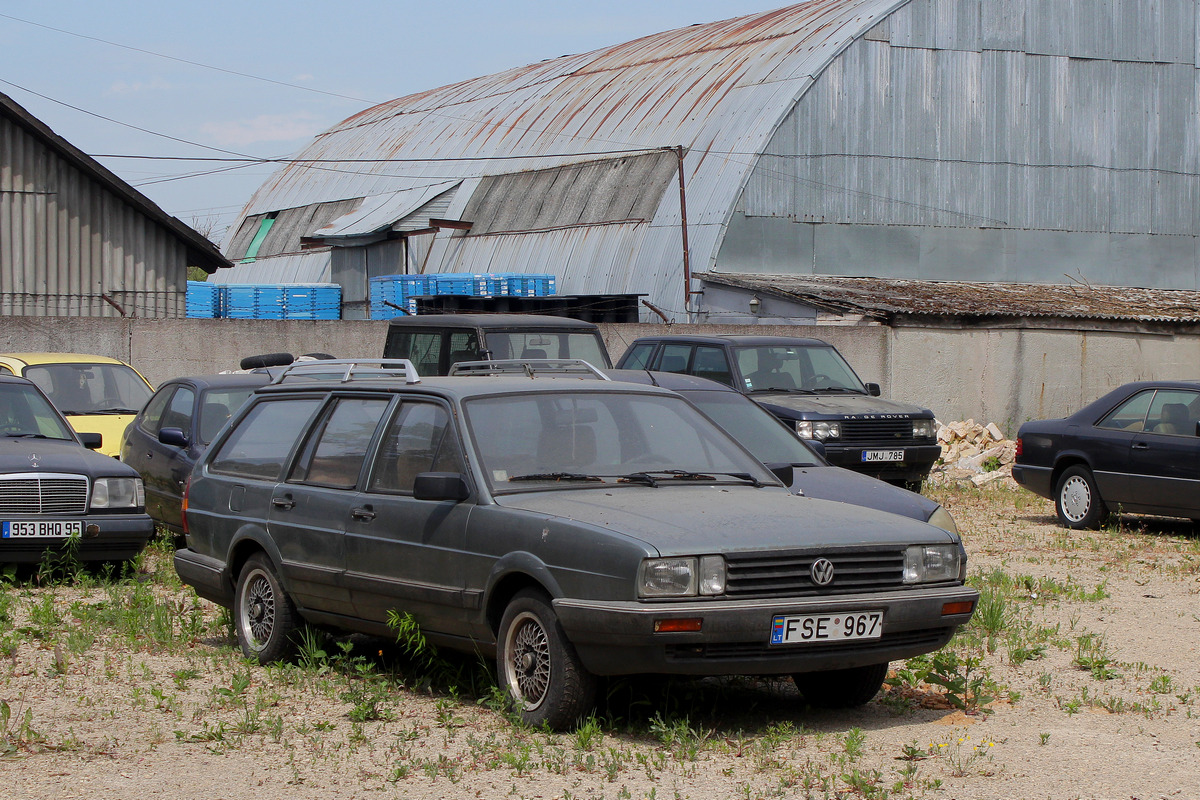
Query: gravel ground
{"type": "Point", "coordinates": [1088, 686]}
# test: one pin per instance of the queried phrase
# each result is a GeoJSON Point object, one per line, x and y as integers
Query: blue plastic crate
{"type": "Point", "coordinates": [490, 284]}
{"type": "Point", "coordinates": [202, 300]}
{"type": "Point", "coordinates": [453, 283]}
{"type": "Point", "coordinates": [531, 285]}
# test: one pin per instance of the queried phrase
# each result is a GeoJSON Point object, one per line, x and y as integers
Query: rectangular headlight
{"type": "Point", "coordinates": [667, 577]}
{"type": "Point", "coordinates": [118, 493]}
{"type": "Point", "coordinates": [922, 429]}
{"type": "Point", "coordinates": [712, 575]}
{"type": "Point", "coordinates": [931, 563]}
{"type": "Point", "coordinates": [822, 430]}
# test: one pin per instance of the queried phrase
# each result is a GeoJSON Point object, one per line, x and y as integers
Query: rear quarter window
{"type": "Point", "coordinates": [260, 444]}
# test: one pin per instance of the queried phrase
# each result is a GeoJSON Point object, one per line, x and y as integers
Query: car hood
{"type": "Point", "coordinates": [697, 519]}
{"type": "Point", "coordinates": [56, 455]}
{"type": "Point", "coordinates": [109, 426]}
{"type": "Point", "coordinates": [835, 483]}
{"type": "Point", "coordinates": [841, 405]}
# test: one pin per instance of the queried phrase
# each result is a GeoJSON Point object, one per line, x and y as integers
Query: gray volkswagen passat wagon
{"type": "Point", "coordinates": [573, 528]}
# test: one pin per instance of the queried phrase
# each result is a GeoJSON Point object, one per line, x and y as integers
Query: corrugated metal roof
{"type": "Point", "coordinates": [719, 90]}
{"type": "Point", "coordinates": [884, 298]}
{"type": "Point", "coordinates": [379, 212]}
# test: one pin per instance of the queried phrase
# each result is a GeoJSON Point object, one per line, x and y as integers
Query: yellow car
{"type": "Point", "coordinates": [96, 394]}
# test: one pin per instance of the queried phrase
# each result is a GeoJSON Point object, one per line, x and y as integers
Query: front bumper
{"type": "Point", "coordinates": [618, 638]}
{"type": "Point", "coordinates": [106, 537]}
{"type": "Point", "coordinates": [918, 460]}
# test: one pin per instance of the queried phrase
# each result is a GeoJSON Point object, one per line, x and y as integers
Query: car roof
{"type": "Point", "coordinates": [59, 358]}
{"type": "Point", "coordinates": [490, 321]}
{"type": "Point", "coordinates": [224, 380]}
{"type": "Point", "coordinates": [461, 387]}
{"type": "Point", "coordinates": [734, 339]}
{"type": "Point", "coordinates": [675, 381]}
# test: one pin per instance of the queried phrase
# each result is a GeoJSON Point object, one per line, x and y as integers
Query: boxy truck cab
{"type": "Point", "coordinates": [435, 342]}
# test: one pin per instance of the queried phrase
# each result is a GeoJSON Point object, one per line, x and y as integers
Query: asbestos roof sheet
{"type": "Point", "coordinates": [884, 298]}
{"type": "Point", "coordinates": [378, 213]}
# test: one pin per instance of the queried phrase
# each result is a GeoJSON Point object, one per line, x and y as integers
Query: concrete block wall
{"type": "Point", "coordinates": [1005, 376]}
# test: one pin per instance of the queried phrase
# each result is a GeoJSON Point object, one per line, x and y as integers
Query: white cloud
{"type": "Point", "coordinates": [264, 128]}
{"type": "Point", "coordinates": [137, 87]}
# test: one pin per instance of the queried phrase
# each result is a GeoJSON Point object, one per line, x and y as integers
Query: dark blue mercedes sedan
{"type": "Point", "coordinates": [1135, 450]}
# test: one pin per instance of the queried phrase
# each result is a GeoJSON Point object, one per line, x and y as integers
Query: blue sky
{"type": "Point", "coordinates": [339, 57]}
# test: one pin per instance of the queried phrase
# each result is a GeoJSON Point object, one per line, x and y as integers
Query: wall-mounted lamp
{"type": "Point", "coordinates": [755, 304]}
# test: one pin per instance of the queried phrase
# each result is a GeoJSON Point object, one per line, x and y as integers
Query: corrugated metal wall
{"type": "Point", "coordinates": [66, 242]}
{"type": "Point", "coordinates": [1065, 135]}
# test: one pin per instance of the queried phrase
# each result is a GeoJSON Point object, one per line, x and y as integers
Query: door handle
{"type": "Point", "coordinates": [1140, 446]}
{"type": "Point", "coordinates": [283, 502]}
{"type": "Point", "coordinates": [364, 513]}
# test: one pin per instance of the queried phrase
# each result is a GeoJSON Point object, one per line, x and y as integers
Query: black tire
{"type": "Point", "coordinates": [1076, 500]}
{"type": "Point", "coordinates": [319, 356]}
{"type": "Point", "coordinates": [266, 360]}
{"type": "Point", "coordinates": [537, 666]}
{"type": "Point", "coordinates": [841, 688]}
{"type": "Point", "coordinates": [263, 615]}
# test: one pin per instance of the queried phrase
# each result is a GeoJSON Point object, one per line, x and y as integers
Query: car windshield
{"type": "Point", "coordinates": [758, 431]}
{"type": "Point", "coordinates": [77, 389]}
{"type": "Point", "coordinates": [796, 368]}
{"type": "Point", "coordinates": [584, 438]}
{"type": "Point", "coordinates": [550, 344]}
{"type": "Point", "coordinates": [25, 413]}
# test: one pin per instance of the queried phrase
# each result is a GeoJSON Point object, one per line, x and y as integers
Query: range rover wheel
{"type": "Point", "coordinates": [1076, 500]}
{"type": "Point", "coordinates": [263, 614]}
{"type": "Point", "coordinates": [538, 667]}
{"type": "Point", "coordinates": [841, 688]}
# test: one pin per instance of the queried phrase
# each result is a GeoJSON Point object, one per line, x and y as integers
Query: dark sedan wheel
{"type": "Point", "coordinates": [841, 688]}
{"type": "Point", "coordinates": [538, 668]}
{"type": "Point", "coordinates": [1076, 500]}
{"type": "Point", "coordinates": [263, 614]}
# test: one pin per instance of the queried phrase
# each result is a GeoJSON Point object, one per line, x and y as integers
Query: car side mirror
{"type": "Point", "coordinates": [439, 486]}
{"type": "Point", "coordinates": [874, 390]}
{"type": "Point", "coordinates": [175, 437]}
{"type": "Point", "coordinates": [92, 441]}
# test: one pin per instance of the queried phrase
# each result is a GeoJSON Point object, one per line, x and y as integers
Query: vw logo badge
{"type": "Point", "coordinates": [822, 572]}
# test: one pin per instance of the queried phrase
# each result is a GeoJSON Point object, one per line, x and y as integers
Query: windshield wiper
{"type": "Point", "coordinates": [651, 477]}
{"type": "Point", "coordinates": [26, 436]}
{"type": "Point", "coordinates": [842, 389]}
{"type": "Point", "coordinates": [557, 476]}
{"type": "Point", "coordinates": [783, 389]}
{"type": "Point", "coordinates": [116, 411]}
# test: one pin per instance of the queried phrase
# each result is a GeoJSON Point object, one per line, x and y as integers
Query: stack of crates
{"type": "Point", "coordinates": [204, 300]}
{"type": "Point", "coordinates": [530, 285]}
{"type": "Point", "coordinates": [312, 301]}
{"type": "Point", "coordinates": [289, 301]}
{"type": "Point", "coordinates": [389, 291]}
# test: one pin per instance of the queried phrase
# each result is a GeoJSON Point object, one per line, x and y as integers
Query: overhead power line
{"type": "Point", "coordinates": [187, 61]}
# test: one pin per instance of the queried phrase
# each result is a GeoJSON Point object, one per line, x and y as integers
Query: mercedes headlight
{"type": "Point", "coordinates": [110, 493]}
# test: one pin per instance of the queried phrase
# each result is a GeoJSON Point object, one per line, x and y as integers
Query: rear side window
{"type": "Point", "coordinates": [334, 454]}
{"type": "Point", "coordinates": [152, 415]}
{"type": "Point", "coordinates": [711, 363]}
{"type": "Point", "coordinates": [1130, 415]}
{"type": "Point", "coordinates": [265, 437]}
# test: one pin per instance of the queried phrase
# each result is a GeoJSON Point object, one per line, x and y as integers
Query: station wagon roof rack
{"type": "Point", "coordinates": [350, 369]}
{"type": "Point", "coordinates": [529, 367]}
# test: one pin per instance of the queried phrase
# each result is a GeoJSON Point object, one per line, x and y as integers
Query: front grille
{"type": "Point", "coordinates": [787, 574]}
{"type": "Point", "coordinates": [43, 494]}
{"type": "Point", "coordinates": [877, 431]}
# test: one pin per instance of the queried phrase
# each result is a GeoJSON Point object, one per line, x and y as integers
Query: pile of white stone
{"type": "Point", "coordinates": [975, 453]}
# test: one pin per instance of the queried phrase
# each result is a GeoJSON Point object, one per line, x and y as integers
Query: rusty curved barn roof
{"type": "Point", "coordinates": [718, 90]}
{"type": "Point", "coordinates": [889, 298]}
